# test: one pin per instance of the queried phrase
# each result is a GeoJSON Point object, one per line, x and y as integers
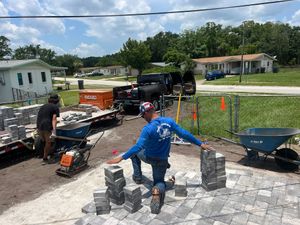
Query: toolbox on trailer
{"type": "Point", "coordinates": [103, 99]}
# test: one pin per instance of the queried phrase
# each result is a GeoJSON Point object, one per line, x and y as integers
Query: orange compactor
{"type": "Point", "coordinates": [103, 99]}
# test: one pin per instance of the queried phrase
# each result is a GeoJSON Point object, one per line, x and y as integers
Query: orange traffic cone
{"type": "Point", "coordinates": [194, 114]}
{"type": "Point", "coordinates": [223, 106]}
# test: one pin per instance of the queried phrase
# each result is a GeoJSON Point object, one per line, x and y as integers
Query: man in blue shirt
{"type": "Point", "coordinates": [153, 147]}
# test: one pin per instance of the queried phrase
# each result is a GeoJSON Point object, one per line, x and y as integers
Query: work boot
{"type": "Point", "coordinates": [156, 201]}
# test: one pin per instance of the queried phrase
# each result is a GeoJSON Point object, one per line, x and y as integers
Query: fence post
{"type": "Point", "coordinates": [230, 114]}
{"type": "Point", "coordinates": [236, 112]}
{"type": "Point", "coordinates": [161, 105]}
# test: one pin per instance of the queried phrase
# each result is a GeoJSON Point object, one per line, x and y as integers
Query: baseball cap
{"type": "Point", "coordinates": [54, 98]}
{"type": "Point", "coordinates": [145, 107]}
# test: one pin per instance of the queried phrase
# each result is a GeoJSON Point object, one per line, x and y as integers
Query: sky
{"type": "Point", "coordinates": [100, 36]}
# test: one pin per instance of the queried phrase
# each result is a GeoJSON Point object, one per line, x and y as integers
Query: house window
{"type": "Point", "coordinates": [43, 76]}
{"type": "Point", "coordinates": [268, 64]}
{"type": "Point", "coordinates": [20, 79]}
{"type": "Point", "coordinates": [29, 78]}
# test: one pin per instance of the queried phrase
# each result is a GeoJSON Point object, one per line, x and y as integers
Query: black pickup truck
{"type": "Point", "coordinates": [150, 87]}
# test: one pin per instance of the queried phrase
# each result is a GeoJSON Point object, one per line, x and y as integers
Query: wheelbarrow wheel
{"type": "Point", "coordinates": [288, 154]}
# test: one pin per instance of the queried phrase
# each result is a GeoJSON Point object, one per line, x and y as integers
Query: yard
{"type": "Point", "coordinates": [285, 77]}
{"type": "Point", "coordinates": [254, 111]}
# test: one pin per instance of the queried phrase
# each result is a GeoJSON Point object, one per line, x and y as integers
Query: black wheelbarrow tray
{"type": "Point", "coordinates": [267, 141]}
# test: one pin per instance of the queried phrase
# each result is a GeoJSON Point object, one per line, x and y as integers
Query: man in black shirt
{"type": "Point", "coordinates": [46, 123]}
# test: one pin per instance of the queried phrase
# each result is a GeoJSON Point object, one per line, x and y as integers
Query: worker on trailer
{"type": "Point", "coordinates": [153, 147]}
{"type": "Point", "coordinates": [46, 124]}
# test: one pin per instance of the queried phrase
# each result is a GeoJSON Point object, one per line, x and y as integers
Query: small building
{"type": "Point", "coordinates": [253, 63]}
{"type": "Point", "coordinates": [111, 70]}
{"type": "Point", "coordinates": [23, 79]}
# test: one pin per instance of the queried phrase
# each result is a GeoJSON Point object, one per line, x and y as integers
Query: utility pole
{"type": "Point", "coordinates": [242, 58]}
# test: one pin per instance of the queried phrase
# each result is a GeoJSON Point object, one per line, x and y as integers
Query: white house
{"type": "Point", "coordinates": [253, 63]}
{"type": "Point", "coordinates": [21, 79]}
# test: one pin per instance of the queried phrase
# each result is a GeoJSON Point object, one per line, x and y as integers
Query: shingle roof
{"type": "Point", "coordinates": [8, 64]}
{"type": "Point", "coordinates": [222, 59]}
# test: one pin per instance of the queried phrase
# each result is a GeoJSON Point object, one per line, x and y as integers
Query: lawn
{"type": "Point", "coordinates": [285, 77]}
{"type": "Point", "coordinates": [254, 111]}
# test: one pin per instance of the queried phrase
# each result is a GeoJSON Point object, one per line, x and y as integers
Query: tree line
{"type": "Point", "coordinates": [276, 39]}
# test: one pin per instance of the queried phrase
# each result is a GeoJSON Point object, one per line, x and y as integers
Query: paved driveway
{"type": "Point", "coordinates": [201, 87]}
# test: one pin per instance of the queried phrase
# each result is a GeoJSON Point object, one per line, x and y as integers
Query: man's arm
{"type": "Point", "coordinates": [187, 135]}
{"type": "Point", "coordinates": [133, 150]}
{"type": "Point", "coordinates": [54, 123]}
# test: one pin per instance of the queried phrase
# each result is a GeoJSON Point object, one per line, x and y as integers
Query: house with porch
{"type": "Point", "coordinates": [253, 63]}
{"type": "Point", "coordinates": [23, 79]}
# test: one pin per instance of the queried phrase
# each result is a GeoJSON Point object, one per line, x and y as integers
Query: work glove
{"type": "Point", "coordinates": [53, 134]}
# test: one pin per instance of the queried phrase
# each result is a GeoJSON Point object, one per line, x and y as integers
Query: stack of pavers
{"type": "Point", "coordinates": [133, 198]}
{"type": "Point", "coordinates": [180, 187]}
{"type": "Point", "coordinates": [115, 181]}
{"type": "Point", "coordinates": [102, 203]}
{"type": "Point", "coordinates": [27, 111]}
{"type": "Point", "coordinates": [5, 113]}
{"type": "Point", "coordinates": [21, 132]}
{"type": "Point", "coordinates": [213, 170]}
{"type": "Point", "coordinates": [13, 132]}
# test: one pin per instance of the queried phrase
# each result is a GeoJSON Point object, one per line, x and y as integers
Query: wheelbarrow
{"type": "Point", "coordinates": [67, 137]}
{"type": "Point", "coordinates": [267, 141]}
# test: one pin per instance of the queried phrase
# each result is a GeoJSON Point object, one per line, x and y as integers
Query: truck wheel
{"type": "Point", "coordinates": [156, 105]}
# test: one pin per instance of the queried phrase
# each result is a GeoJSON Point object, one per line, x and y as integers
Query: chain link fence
{"type": "Point", "coordinates": [216, 114]}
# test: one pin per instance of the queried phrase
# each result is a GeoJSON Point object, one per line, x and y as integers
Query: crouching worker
{"type": "Point", "coordinates": [46, 123]}
{"type": "Point", "coordinates": [153, 147]}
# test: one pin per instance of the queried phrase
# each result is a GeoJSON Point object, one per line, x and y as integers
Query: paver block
{"type": "Point", "coordinates": [113, 172]}
{"type": "Point", "coordinates": [89, 208]}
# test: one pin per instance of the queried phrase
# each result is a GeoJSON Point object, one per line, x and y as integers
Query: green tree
{"type": "Point", "coordinates": [33, 52]}
{"type": "Point", "coordinates": [69, 61]}
{"type": "Point", "coordinates": [5, 50]}
{"type": "Point", "coordinates": [174, 57]}
{"type": "Point", "coordinates": [77, 64]}
{"type": "Point", "coordinates": [135, 54]}
{"type": "Point", "coordinates": [160, 43]}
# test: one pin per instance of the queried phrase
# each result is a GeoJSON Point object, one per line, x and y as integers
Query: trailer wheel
{"type": "Point", "coordinates": [289, 154]}
{"type": "Point", "coordinates": [39, 145]}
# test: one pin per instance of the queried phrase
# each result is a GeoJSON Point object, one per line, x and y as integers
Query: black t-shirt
{"type": "Point", "coordinates": [45, 115]}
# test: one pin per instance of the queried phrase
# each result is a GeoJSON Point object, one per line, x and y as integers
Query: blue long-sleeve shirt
{"type": "Point", "coordinates": [156, 136]}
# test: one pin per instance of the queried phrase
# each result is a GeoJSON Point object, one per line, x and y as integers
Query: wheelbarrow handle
{"type": "Point", "coordinates": [229, 140]}
{"type": "Point", "coordinates": [71, 139]}
{"type": "Point", "coordinates": [231, 132]}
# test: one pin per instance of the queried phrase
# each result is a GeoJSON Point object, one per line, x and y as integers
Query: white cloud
{"type": "Point", "coordinates": [3, 10]}
{"type": "Point", "coordinates": [85, 50]}
{"type": "Point", "coordinates": [34, 7]}
{"type": "Point", "coordinates": [296, 18]}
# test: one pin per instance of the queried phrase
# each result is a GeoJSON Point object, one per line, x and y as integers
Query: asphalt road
{"type": "Point", "coordinates": [201, 87]}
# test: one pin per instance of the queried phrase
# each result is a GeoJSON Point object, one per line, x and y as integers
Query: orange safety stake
{"type": "Point", "coordinates": [223, 106]}
{"type": "Point", "coordinates": [194, 114]}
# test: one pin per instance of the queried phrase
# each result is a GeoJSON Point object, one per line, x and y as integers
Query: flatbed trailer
{"type": "Point", "coordinates": [28, 142]}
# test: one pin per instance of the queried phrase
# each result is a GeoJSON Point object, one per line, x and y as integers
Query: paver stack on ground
{"type": "Point", "coordinates": [102, 203]}
{"type": "Point", "coordinates": [212, 170]}
{"type": "Point", "coordinates": [115, 181]}
{"type": "Point", "coordinates": [133, 198]}
{"type": "Point", "coordinates": [180, 187]}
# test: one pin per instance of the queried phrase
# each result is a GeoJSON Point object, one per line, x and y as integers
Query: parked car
{"type": "Point", "coordinates": [96, 73]}
{"type": "Point", "coordinates": [215, 74]}
{"type": "Point", "coordinates": [76, 75]}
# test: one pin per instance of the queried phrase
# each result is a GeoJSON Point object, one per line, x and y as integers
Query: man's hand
{"type": "Point", "coordinates": [115, 160]}
{"type": "Point", "coordinates": [206, 147]}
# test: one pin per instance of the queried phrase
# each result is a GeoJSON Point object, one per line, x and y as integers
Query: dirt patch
{"type": "Point", "coordinates": [27, 180]}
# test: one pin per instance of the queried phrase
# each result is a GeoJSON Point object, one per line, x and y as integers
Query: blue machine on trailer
{"type": "Point", "coordinates": [66, 135]}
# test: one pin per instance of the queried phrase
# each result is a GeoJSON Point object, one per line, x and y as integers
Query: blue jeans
{"type": "Point", "coordinates": [159, 168]}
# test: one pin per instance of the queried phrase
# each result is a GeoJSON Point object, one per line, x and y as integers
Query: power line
{"type": "Point", "coordinates": [147, 14]}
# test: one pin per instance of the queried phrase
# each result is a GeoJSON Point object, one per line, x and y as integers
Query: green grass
{"type": "Point", "coordinates": [285, 77]}
{"type": "Point", "coordinates": [69, 97]}
{"type": "Point", "coordinates": [255, 111]}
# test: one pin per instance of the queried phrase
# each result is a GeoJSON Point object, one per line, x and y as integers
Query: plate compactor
{"type": "Point", "coordinates": [76, 159]}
